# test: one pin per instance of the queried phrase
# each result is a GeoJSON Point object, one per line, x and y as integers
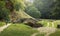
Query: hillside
{"type": "Point", "coordinates": [22, 14]}
{"type": "Point", "coordinates": [17, 15]}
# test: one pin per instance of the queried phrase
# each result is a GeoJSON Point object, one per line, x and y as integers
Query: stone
{"type": "Point", "coordinates": [58, 26]}
{"type": "Point", "coordinates": [32, 23]}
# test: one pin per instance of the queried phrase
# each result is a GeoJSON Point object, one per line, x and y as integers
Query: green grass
{"type": "Point", "coordinates": [18, 30]}
{"type": "Point", "coordinates": [24, 30]}
{"type": "Point", "coordinates": [2, 23]}
{"type": "Point", "coordinates": [22, 14]}
{"type": "Point", "coordinates": [45, 21]}
{"type": "Point", "coordinates": [57, 33]}
{"type": "Point", "coordinates": [55, 24]}
{"type": "Point", "coordinates": [42, 34]}
{"type": "Point", "coordinates": [50, 24]}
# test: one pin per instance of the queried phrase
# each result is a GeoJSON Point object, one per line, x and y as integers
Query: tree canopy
{"type": "Point", "coordinates": [49, 9]}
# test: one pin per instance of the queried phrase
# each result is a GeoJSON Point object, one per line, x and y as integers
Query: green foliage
{"type": "Point", "coordinates": [18, 4]}
{"type": "Point", "coordinates": [4, 12]}
{"type": "Point", "coordinates": [32, 11]}
{"type": "Point", "coordinates": [49, 8]}
{"type": "Point", "coordinates": [5, 9]}
{"type": "Point", "coordinates": [56, 10]}
{"type": "Point", "coordinates": [42, 4]}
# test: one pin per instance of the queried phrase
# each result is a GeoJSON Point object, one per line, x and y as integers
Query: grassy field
{"type": "Point", "coordinates": [2, 23]}
{"type": "Point", "coordinates": [57, 33]}
{"type": "Point", "coordinates": [24, 30]}
{"type": "Point", "coordinates": [18, 30]}
{"type": "Point", "coordinates": [22, 14]}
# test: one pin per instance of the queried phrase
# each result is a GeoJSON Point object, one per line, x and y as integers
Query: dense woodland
{"type": "Point", "coordinates": [39, 9]}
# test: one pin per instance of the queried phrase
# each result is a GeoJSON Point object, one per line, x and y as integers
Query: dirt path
{"type": "Point", "coordinates": [47, 30]}
{"type": "Point", "coordinates": [34, 34]}
{"type": "Point", "coordinates": [3, 27]}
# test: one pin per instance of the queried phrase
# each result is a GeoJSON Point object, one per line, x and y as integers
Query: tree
{"type": "Point", "coordinates": [44, 6]}
{"type": "Point", "coordinates": [4, 12]}
{"type": "Point", "coordinates": [56, 10]}
{"type": "Point", "coordinates": [9, 7]}
{"type": "Point", "coordinates": [32, 11]}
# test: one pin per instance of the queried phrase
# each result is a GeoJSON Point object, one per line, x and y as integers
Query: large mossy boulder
{"type": "Point", "coordinates": [32, 22]}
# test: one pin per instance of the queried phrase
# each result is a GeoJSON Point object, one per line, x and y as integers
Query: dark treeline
{"type": "Point", "coordinates": [48, 9]}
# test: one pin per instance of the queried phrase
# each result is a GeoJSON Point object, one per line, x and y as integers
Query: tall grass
{"type": "Point", "coordinates": [45, 22]}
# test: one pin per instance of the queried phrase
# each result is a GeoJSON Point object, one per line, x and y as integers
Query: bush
{"type": "Point", "coordinates": [4, 12]}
